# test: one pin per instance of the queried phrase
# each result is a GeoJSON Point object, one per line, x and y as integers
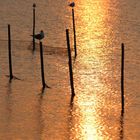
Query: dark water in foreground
{"type": "Point", "coordinates": [101, 27]}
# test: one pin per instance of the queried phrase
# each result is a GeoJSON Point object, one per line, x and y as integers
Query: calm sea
{"type": "Point", "coordinates": [101, 27]}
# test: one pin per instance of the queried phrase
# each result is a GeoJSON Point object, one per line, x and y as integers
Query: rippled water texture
{"type": "Point", "coordinates": [101, 27]}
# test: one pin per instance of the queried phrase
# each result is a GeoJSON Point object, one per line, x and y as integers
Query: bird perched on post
{"type": "Point", "coordinates": [72, 4]}
{"type": "Point", "coordinates": [39, 36]}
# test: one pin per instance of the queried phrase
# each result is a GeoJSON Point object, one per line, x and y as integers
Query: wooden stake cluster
{"type": "Point", "coordinates": [10, 60]}
{"type": "Point", "coordinates": [69, 57]}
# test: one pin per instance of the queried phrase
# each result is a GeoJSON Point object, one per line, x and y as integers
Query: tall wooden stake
{"type": "Point", "coordinates": [9, 50]}
{"type": "Point", "coordinates": [70, 65]}
{"type": "Point", "coordinates": [74, 32]}
{"type": "Point", "coordinates": [34, 5]}
{"type": "Point", "coordinates": [42, 66]}
{"type": "Point", "coordinates": [122, 76]}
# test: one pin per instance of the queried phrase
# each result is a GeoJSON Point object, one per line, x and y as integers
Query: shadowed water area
{"type": "Point", "coordinates": [101, 27]}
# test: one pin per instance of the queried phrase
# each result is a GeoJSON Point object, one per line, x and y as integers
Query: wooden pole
{"type": "Point", "coordinates": [74, 32]}
{"type": "Point", "coordinates": [122, 76]}
{"type": "Point", "coordinates": [70, 64]}
{"type": "Point", "coordinates": [9, 51]}
{"type": "Point", "coordinates": [34, 5]}
{"type": "Point", "coordinates": [42, 65]}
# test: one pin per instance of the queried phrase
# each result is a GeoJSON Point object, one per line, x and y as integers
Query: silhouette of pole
{"type": "Point", "coordinates": [122, 76]}
{"type": "Point", "coordinates": [70, 64]}
{"type": "Point", "coordinates": [74, 32]}
{"type": "Point", "coordinates": [9, 51]}
{"type": "Point", "coordinates": [42, 65]}
{"type": "Point", "coordinates": [34, 5]}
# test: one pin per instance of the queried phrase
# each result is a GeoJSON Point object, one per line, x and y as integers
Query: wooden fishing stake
{"type": "Point", "coordinates": [9, 50]}
{"type": "Point", "coordinates": [42, 67]}
{"type": "Point", "coordinates": [122, 76]}
{"type": "Point", "coordinates": [34, 5]}
{"type": "Point", "coordinates": [74, 31]}
{"type": "Point", "coordinates": [70, 65]}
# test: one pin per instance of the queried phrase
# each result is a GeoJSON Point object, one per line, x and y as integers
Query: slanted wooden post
{"type": "Point", "coordinates": [74, 32]}
{"type": "Point", "coordinates": [122, 77]}
{"type": "Point", "coordinates": [34, 5]}
{"type": "Point", "coordinates": [9, 51]}
{"type": "Point", "coordinates": [42, 66]}
{"type": "Point", "coordinates": [70, 65]}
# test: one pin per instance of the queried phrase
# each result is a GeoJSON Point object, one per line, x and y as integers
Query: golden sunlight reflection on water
{"type": "Point", "coordinates": [92, 108]}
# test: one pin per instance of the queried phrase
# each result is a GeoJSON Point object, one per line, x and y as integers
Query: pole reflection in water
{"type": "Point", "coordinates": [121, 125]}
{"type": "Point", "coordinates": [17, 122]}
{"type": "Point", "coordinates": [8, 117]}
{"type": "Point", "coordinates": [95, 112]}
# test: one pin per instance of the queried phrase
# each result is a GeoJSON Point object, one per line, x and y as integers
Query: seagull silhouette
{"type": "Point", "coordinates": [72, 4]}
{"type": "Point", "coordinates": [39, 36]}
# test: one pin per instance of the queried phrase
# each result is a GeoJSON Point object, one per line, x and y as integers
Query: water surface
{"type": "Point", "coordinates": [101, 27]}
